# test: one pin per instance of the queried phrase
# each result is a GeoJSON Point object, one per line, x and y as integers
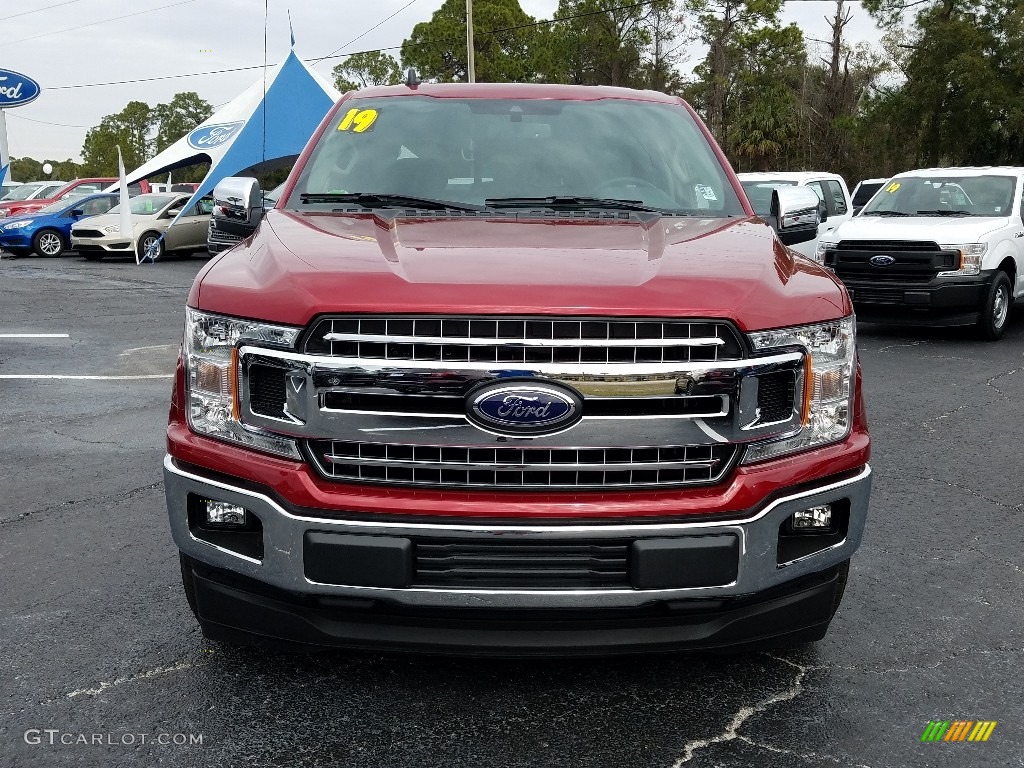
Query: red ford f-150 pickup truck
{"type": "Point", "coordinates": [515, 369]}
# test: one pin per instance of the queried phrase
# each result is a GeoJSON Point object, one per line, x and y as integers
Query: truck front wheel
{"type": "Point", "coordinates": [996, 308]}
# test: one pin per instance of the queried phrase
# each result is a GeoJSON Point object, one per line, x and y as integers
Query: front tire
{"type": "Point", "coordinates": [995, 311]}
{"type": "Point", "coordinates": [48, 242]}
{"type": "Point", "coordinates": [147, 241]}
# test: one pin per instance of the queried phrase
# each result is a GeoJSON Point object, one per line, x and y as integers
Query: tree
{"type": "Point", "coordinates": [504, 49]}
{"type": "Point", "coordinates": [130, 129]}
{"type": "Point", "coordinates": [603, 42]}
{"type": "Point", "coordinates": [177, 117]}
{"type": "Point", "coordinates": [361, 70]}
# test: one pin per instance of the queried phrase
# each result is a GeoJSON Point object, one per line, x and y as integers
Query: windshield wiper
{"type": "Point", "coordinates": [885, 213]}
{"type": "Point", "coordinates": [570, 201]}
{"type": "Point", "coordinates": [944, 212]}
{"type": "Point", "coordinates": [386, 200]}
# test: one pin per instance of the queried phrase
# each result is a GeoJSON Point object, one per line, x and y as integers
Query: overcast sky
{"type": "Point", "coordinates": [72, 42]}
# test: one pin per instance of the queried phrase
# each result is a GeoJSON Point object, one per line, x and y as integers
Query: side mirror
{"type": "Point", "coordinates": [238, 198]}
{"type": "Point", "coordinates": [76, 212]}
{"type": "Point", "coordinates": [795, 214]}
{"type": "Point", "coordinates": [172, 213]}
{"type": "Point", "coordinates": [822, 212]}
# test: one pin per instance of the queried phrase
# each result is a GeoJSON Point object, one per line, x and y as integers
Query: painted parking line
{"type": "Point", "coordinates": [84, 378]}
{"type": "Point", "coordinates": [35, 336]}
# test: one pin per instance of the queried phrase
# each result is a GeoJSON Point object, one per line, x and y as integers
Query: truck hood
{"type": "Point", "coordinates": [936, 229]}
{"type": "Point", "coordinates": [299, 265]}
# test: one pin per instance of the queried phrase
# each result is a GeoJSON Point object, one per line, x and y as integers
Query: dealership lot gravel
{"type": "Point", "coordinates": [98, 644]}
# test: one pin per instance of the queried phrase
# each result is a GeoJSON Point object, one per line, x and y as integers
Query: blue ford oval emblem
{"type": "Point", "coordinates": [524, 409]}
{"type": "Point", "coordinates": [881, 260]}
{"type": "Point", "coordinates": [210, 136]}
{"type": "Point", "coordinates": [16, 89]}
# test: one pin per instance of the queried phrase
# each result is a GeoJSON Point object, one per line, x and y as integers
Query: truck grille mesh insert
{"type": "Point", "coordinates": [520, 468]}
{"type": "Point", "coordinates": [543, 564]}
{"type": "Point", "coordinates": [523, 340]}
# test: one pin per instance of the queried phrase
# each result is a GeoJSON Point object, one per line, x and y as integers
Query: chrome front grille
{"type": "Point", "coordinates": [524, 468]}
{"type": "Point", "coordinates": [524, 340]}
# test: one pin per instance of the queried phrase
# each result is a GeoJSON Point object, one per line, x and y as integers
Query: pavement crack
{"type": "Point", "coordinates": [1000, 392]}
{"type": "Point", "coordinates": [814, 758]}
{"type": "Point", "coordinates": [146, 675]}
{"type": "Point", "coordinates": [113, 498]}
{"type": "Point", "coordinates": [897, 346]}
{"type": "Point", "coordinates": [927, 424]}
{"type": "Point", "coordinates": [974, 493]}
{"type": "Point", "coordinates": [86, 442]}
{"type": "Point", "coordinates": [731, 731]}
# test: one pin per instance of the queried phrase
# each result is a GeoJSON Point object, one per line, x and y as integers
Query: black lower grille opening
{"type": "Point", "coordinates": [522, 564]}
{"type": "Point", "coordinates": [267, 394]}
{"type": "Point", "coordinates": [775, 392]}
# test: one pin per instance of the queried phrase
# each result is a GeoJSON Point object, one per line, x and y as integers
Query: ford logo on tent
{"type": "Point", "coordinates": [210, 136]}
{"type": "Point", "coordinates": [524, 409]}
{"type": "Point", "coordinates": [16, 89]}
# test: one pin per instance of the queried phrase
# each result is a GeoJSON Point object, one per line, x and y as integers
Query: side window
{"type": "Point", "coordinates": [204, 207]}
{"type": "Point", "coordinates": [99, 205]}
{"type": "Point", "coordinates": [838, 198]}
{"type": "Point", "coordinates": [816, 186]}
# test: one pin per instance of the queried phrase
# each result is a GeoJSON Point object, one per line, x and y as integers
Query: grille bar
{"type": "Point", "coordinates": [538, 468]}
{"type": "Point", "coordinates": [524, 340]}
{"type": "Point", "coordinates": [709, 341]}
{"type": "Point", "coordinates": [539, 564]}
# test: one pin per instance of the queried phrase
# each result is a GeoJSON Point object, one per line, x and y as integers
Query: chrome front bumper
{"type": "Point", "coordinates": [283, 535]}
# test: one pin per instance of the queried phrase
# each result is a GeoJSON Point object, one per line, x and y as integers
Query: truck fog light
{"type": "Point", "coordinates": [812, 520]}
{"type": "Point", "coordinates": [222, 513]}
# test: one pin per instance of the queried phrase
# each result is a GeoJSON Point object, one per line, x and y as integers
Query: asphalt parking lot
{"type": "Point", "coordinates": [98, 641]}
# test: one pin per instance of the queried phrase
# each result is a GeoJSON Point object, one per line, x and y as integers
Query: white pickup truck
{"type": "Point", "coordinates": [941, 246]}
{"type": "Point", "coordinates": [830, 188]}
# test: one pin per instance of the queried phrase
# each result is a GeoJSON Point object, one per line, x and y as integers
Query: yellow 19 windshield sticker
{"type": "Point", "coordinates": [892, 187]}
{"type": "Point", "coordinates": [358, 120]}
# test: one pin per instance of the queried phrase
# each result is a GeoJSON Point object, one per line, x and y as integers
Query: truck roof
{"type": "Point", "coordinates": [516, 91]}
{"type": "Point", "coordinates": [787, 175]}
{"type": "Point", "coordinates": [981, 170]}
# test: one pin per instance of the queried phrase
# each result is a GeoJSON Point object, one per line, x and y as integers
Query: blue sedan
{"type": "Point", "coordinates": [47, 232]}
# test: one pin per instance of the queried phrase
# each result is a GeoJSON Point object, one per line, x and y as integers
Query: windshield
{"type": "Point", "coordinates": [469, 151]}
{"type": "Point", "coordinates": [57, 207]}
{"type": "Point", "coordinates": [146, 205]}
{"type": "Point", "coordinates": [865, 191]}
{"type": "Point", "coordinates": [23, 192]}
{"type": "Point", "coordinates": [759, 193]}
{"type": "Point", "coordinates": [275, 194]}
{"type": "Point", "coordinates": [944, 196]}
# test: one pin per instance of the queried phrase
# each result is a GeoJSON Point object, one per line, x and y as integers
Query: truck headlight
{"type": "Point", "coordinates": [826, 415]}
{"type": "Point", "coordinates": [971, 255]}
{"type": "Point", "coordinates": [819, 251]}
{"type": "Point", "coordinates": [212, 369]}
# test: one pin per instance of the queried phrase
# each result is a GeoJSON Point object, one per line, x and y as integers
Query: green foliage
{"type": "Point", "coordinates": [437, 48]}
{"type": "Point", "coordinates": [129, 129]}
{"type": "Point", "coordinates": [26, 169]}
{"type": "Point", "coordinates": [362, 70]}
{"type": "Point", "coordinates": [179, 116]}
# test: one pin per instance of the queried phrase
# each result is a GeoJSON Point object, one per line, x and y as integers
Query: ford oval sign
{"type": "Point", "coordinates": [881, 260]}
{"type": "Point", "coordinates": [524, 408]}
{"type": "Point", "coordinates": [16, 89]}
{"type": "Point", "coordinates": [210, 136]}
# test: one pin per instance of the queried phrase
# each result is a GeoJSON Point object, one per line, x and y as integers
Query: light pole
{"type": "Point", "coordinates": [470, 65]}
